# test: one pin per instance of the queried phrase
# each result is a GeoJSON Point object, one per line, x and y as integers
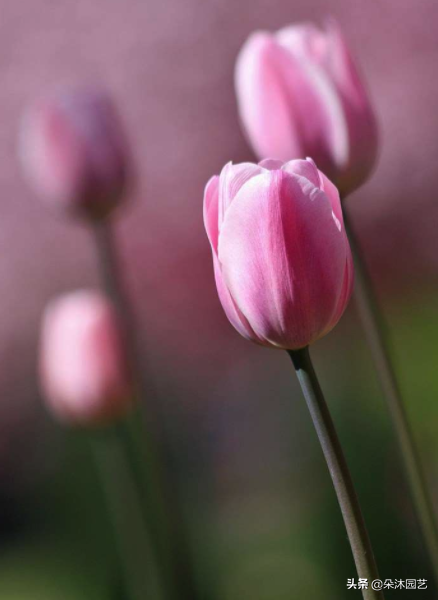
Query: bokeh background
{"type": "Point", "coordinates": [262, 513]}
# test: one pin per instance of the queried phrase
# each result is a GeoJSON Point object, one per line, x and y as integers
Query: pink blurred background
{"type": "Point", "coordinates": [170, 67]}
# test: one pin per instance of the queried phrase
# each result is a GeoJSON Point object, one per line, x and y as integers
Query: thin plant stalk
{"type": "Point", "coordinates": [374, 328]}
{"type": "Point", "coordinates": [159, 500]}
{"type": "Point", "coordinates": [136, 559]}
{"type": "Point", "coordinates": [340, 474]}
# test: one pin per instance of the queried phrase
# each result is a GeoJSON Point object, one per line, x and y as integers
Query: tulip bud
{"type": "Point", "coordinates": [83, 366]}
{"type": "Point", "coordinates": [74, 152]}
{"type": "Point", "coordinates": [282, 260]}
{"type": "Point", "coordinates": [299, 94]}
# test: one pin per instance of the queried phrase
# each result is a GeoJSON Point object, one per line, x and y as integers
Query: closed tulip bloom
{"type": "Point", "coordinates": [83, 366]}
{"type": "Point", "coordinates": [281, 257]}
{"type": "Point", "coordinates": [300, 94]}
{"type": "Point", "coordinates": [74, 152]}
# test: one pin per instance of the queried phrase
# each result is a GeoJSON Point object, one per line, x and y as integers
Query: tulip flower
{"type": "Point", "coordinates": [284, 275]}
{"type": "Point", "coordinates": [74, 152]}
{"type": "Point", "coordinates": [299, 94]}
{"type": "Point", "coordinates": [281, 257]}
{"type": "Point", "coordinates": [82, 360]}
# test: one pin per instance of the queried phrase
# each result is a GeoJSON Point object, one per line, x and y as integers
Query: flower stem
{"type": "Point", "coordinates": [374, 328]}
{"type": "Point", "coordinates": [158, 498]}
{"type": "Point", "coordinates": [137, 563]}
{"type": "Point", "coordinates": [340, 474]}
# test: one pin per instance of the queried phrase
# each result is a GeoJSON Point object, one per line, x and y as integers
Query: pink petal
{"type": "Point", "coordinates": [271, 164]}
{"type": "Point", "coordinates": [304, 168]}
{"type": "Point", "coordinates": [363, 138]}
{"type": "Point", "coordinates": [314, 97]}
{"type": "Point", "coordinates": [264, 105]}
{"type": "Point", "coordinates": [304, 38]}
{"type": "Point", "coordinates": [231, 179]}
{"type": "Point", "coordinates": [333, 195]}
{"type": "Point", "coordinates": [233, 313]}
{"type": "Point", "coordinates": [211, 196]}
{"type": "Point", "coordinates": [211, 221]}
{"type": "Point", "coordinates": [346, 291]}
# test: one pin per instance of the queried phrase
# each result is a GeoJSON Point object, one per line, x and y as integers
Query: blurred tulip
{"type": "Point", "coordinates": [74, 152]}
{"type": "Point", "coordinates": [282, 261]}
{"type": "Point", "coordinates": [299, 94]}
{"type": "Point", "coordinates": [83, 367]}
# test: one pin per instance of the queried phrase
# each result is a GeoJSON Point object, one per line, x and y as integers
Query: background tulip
{"type": "Point", "coordinates": [74, 152]}
{"type": "Point", "coordinates": [281, 258]}
{"type": "Point", "coordinates": [82, 361]}
{"type": "Point", "coordinates": [299, 94]}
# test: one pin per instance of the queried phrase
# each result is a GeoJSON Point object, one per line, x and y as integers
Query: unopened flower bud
{"type": "Point", "coordinates": [74, 152]}
{"type": "Point", "coordinates": [83, 366]}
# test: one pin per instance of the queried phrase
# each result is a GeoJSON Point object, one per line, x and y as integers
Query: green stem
{"type": "Point", "coordinates": [374, 328]}
{"type": "Point", "coordinates": [158, 498]}
{"type": "Point", "coordinates": [340, 474]}
{"type": "Point", "coordinates": [138, 568]}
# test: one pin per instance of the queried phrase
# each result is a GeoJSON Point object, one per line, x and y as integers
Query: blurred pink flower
{"type": "Point", "coordinates": [299, 94]}
{"type": "Point", "coordinates": [281, 257]}
{"type": "Point", "coordinates": [74, 152]}
{"type": "Point", "coordinates": [82, 362]}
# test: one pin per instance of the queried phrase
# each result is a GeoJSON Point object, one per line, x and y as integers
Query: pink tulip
{"type": "Point", "coordinates": [281, 257]}
{"type": "Point", "coordinates": [74, 152]}
{"type": "Point", "coordinates": [299, 94]}
{"type": "Point", "coordinates": [82, 363]}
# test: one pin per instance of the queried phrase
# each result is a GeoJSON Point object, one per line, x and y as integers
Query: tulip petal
{"type": "Point", "coordinates": [287, 284]}
{"type": "Point", "coordinates": [304, 39]}
{"type": "Point", "coordinates": [359, 114]}
{"type": "Point", "coordinates": [234, 315]}
{"type": "Point", "coordinates": [264, 105]}
{"type": "Point", "coordinates": [313, 97]}
{"type": "Point", "coordinates": [271, 164]}
{"type": "Point", "coordinates": [211, 222]}
{"type": "Point", "coordinates": [333, 195]}
{"type": "Point", "coordinates": [211, 197]}
{"type": "Point", "coordinates": [231, 179]}
{"type": "Point", "coordinates": [346, 292]}
{"type": "Point", "coordinates": [304, 168]}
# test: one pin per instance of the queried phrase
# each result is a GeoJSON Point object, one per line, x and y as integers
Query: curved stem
{"type": "Point", "coordinates": [374, 328]}
{"type": "Point", "coordinates": [340, 474]}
